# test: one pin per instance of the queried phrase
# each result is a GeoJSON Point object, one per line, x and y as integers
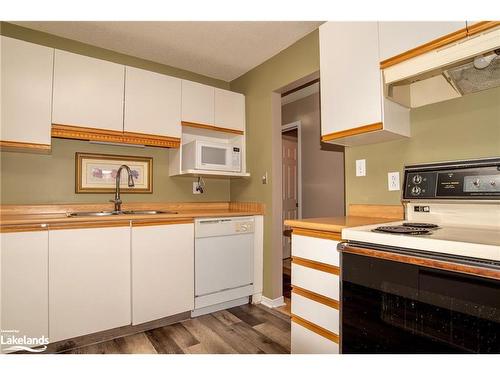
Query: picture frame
{"type": "Point", "coordinates": [95, 173]}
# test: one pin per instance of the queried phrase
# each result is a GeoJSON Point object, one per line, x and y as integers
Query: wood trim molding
{"type": "Point", "coordinates": [150, 223]}
{"type": "Point", "coordinates": [354, 131]}
{"type": "Point", "coordinates": [102, 135]}
{"type": "Point", "coordinates": [24, 146]}
{"type": "Point", "coordinates": [334, 270]}
{"type": "Point", "coordinates": [330, 302]}
{"type": "Point", "coordinates": [316, 328]}
{"type": "Point", "coordinates": [211, 127]}
{"type": "Point", "coordinates": [481, 26]}
{"type": "Point", "coordinates": [425, 262]}
{"type": "Point", "coordinates": [439, 42]}
{"type": "Point", "coordinates": [90, 224]}
{"type": "Point", "coordinates": [317, 234]}
{"type": "Point", "coordinates": [23, 228]}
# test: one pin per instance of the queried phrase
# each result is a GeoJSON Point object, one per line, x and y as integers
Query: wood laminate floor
{"type": "Point", "coordinates": [247, 329]}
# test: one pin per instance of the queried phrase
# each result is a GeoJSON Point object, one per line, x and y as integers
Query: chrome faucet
{"type": "Point", "coordinates": [118, 201]}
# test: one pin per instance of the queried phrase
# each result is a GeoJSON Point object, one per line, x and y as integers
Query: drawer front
{"type": "Point", "coordinates": [315, 312]}
{"type": "Point", "coordinates": [317, 249]}
{"type": "Point", "coordinates": [305, 341]}
{"type": "Point", "coordinates": [320, 282]}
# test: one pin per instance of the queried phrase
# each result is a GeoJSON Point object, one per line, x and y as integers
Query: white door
{"type": "Point", "coordinates": [88, 92]}
{"type": "Point", "coordinates": [162, 271]}
{"type": "Point", "coordinates": [290, 185]}
{"type": "Point", "coordinates": [24, 284]}
{"type": "Point", "coordinates": [152, 103]}
{"type": "Point", "coordinates": [350, 76]}
{"type": "Point", "coordinates": [229, 109]}
{"type": "Point", "coordinates": [197, 103]}
{"type": "Point", "coordinates": [26, 87]}
{"type": "Point", "coordinates": [399, 37]}
{"type": "Point", "coordinates": [89, 281]}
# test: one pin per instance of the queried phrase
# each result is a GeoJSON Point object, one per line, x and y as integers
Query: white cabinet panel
{"type": "Point", "coordinates": [24, 283]}
{"type": "Point", "coordinates": [197, 103]}
{"type": "Point", "coordinates": [350, 76]}
{"type": "Point", "coordinates": [317, 249]}
{"type": "Point", "coordinates": [89, 281]}
{"type": "Point", "coordinates": [152, 103]}
{"type": "Point", "coordinates": [315, 312]}
{"type": "Point", "coordinates": [162, 271]}
{"type": "Point", "coordinates": [87, 92]}
{"type": "Point", "coordinates": [26, 91]}
{"type": "Point", "coordinates": [320, 282]}
{"type": "Point", "coordinates": [305, 341]}
{"type": "Point", "coordinates": [399, 37]}
{"type": "Point", "coordinates": [229, 109]}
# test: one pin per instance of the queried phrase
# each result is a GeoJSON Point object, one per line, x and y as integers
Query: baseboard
{"type": "Point", "coordinates": [272, 303]}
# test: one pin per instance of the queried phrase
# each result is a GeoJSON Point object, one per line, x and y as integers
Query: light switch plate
{"type": "Point", "coordinates": [360, 167]}
{"type": "Point", "coordinates": [393, 181]}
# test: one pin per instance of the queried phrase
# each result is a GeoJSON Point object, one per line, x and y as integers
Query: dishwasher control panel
{"type": "Point", "coordinates": [223, 226]}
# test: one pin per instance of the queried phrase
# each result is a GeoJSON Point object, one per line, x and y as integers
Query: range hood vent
{"type": "Point", "coordinates": [467, 66]}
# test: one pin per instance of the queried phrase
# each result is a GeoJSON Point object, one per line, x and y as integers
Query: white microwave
{"type": "Point", "coordinates": [211, 156]}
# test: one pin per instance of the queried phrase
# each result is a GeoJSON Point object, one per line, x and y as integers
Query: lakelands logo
{"type": "Point", "coordinates": [10, 341]}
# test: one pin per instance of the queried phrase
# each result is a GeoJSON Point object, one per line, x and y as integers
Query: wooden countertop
{"type": "Point", "coordinates": [337, 223]}
{"type": "Point", "coordinates": [43, 215]}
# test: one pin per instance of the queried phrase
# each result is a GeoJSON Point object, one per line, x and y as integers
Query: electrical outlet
{"type": "Point", "coordinates": [360, 167]}
{"type": "Point", "coordinates": [264, 179]}
{"type": "Point", "coordinates": [393, 181]}
{"type": "Point", "coordinates": [195, 186]}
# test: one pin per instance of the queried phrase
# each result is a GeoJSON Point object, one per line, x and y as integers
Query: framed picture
{"type": "Point", "coordinates": [96, 173]}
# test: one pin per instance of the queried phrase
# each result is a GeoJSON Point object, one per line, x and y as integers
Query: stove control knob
{"type": "Point", "coordinates": [493, 183]}
{"type": "Point", "coordinates": [476, 182]}
{"type": "Point", "coordinates": [415, 190]}
{"type": "Point", "coordinates": [417, 179]}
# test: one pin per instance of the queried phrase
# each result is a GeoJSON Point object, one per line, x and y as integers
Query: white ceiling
{"type": "Point", "coordinates": [223, 50]}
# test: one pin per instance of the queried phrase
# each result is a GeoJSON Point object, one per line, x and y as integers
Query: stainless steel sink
{"type": "Point", "coordinates": [110, 213]}
{"type": "Point", "coordinates": [147, 212]}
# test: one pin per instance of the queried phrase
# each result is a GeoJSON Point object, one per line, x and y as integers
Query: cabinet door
{"type": "Point", "coordinates": [162, 271]}
{"type": "Point", "coordinates": [152, 103]}
{"type": "Point", "coordinates": [24, 283]}
{"type": "Point", "coordinates": [87, 92]}
{"type": "Point", "coordinates": [350, 76]}
{"type": "Point", "coordinates": [197, 103]}
{"type": "Point", "coordinates": [26, 100]}
{"type": "Point", "coordinates": [229, 110]}
{"type": "Point", "coordinates": [399, 37]}
{"type": "Point", "coordinates": [89, 281]}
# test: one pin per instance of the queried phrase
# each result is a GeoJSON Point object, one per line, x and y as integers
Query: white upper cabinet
{"type": "Point", "coordinates": [89, 281]}
{"type": "Point", "coordinates": [399, 37]}
{"type": "Point", "coordinates": [162, 271]}
{"type": "Point", "coordinates": [229, 110]}
{"type": "Point", "coordinates": [152, 103]}
{"type": "Point", "coordinates": [88, 92]}
{"type": "Point", "coordinates": [197, 103]}
{"type": "Point", "coordinates": [350, 76]}
{"type": "Point", "coordinates": [26, 91]}
{"type": "Point", "coordinates": [24, 287]}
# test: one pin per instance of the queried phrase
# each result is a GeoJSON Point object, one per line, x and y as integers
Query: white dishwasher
{"type": "Point", "coordinates": [224, 261]}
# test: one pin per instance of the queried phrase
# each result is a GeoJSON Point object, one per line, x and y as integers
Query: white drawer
{"type": "Point", "coordinates": [305, 341]}
{"type": "Point", "coordinates": [324, 316]}
{"type": "Point", "coordinates": [318, 249]}
{"type": "Point", "coordinates": [320, 282]}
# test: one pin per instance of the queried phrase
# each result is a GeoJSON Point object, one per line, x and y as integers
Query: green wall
{"type": "Point", "coordinates": [33, 178]}
{"type": "Point", "coordinates": [468, 127]}
{"type": "Point", "coordinates": [291, 64]}
{"type": "Point", "coordinates": [30, 178]}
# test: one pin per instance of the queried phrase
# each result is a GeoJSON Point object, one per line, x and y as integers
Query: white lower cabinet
{"type": "Point", "coordinates": [162, 271]}
{"type": "Point", "coordinates": [24, 287]}
{"type": "Point", "coordinates": [315, 295]}
{"type": "Point", "coordinates": [89, 281]}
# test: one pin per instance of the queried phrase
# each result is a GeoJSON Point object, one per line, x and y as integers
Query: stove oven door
{"type": "Point", "coordinates": [394, 307]}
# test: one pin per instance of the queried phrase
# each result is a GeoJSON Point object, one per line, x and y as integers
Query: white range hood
{"type": "Point", "coordinates": [468, 65]}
